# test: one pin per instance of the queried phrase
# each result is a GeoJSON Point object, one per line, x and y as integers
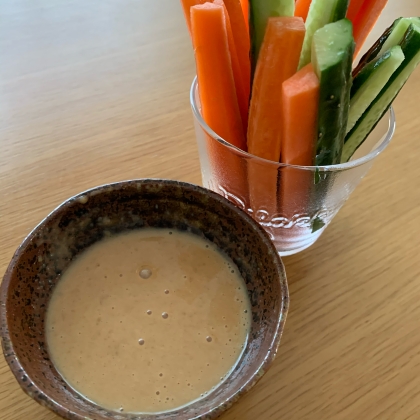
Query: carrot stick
{"type": "Point", "coordinates": [300, 98]}
{"type": "Point", "coordinates": [278, 60]}
{"type": "Point", "coordinates": [302, 8]}
{"type": "Point", "coordinates": [214, 71]}
{"type": "Point", "coordinates": [354, 8]}
{"type": "Point", "coordinates": [242, 41]}
{"type": "Point", "coordinates": [365, 21]}
{"type": "Point", "coordinates": [239, 30]}
{"type": "Point", "coordinates": [241, 82]}
{"type": "Point", "coordinates": [239, 46]}
{"type": "Point", "coordinates": [186, 6]}
{"type": "Point", "coordinates": [245, 10]}
{"type": "Point", "coordinates": [219, 105]}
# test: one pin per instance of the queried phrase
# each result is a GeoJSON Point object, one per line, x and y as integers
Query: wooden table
{"type": "Point", "coordinates": [96, 91]}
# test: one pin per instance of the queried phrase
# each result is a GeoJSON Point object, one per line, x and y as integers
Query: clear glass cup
{"type": "Point", "coordinates": [296, 203]}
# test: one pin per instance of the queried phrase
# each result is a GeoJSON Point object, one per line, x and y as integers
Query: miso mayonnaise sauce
{"type": "Point", "coordinates": [148, 321]}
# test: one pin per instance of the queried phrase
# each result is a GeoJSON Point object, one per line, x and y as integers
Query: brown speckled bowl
{"type": "Point", "coordinates": [84, 219]}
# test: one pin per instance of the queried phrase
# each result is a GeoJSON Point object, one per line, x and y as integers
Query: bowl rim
{"type": "Point", "coordinates": [323, 168]}
{"type": "Point", "coordinates": [44, 399]}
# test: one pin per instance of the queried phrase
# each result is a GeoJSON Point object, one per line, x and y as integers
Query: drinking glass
{"type": "Point", "coordinates": [294, 204]}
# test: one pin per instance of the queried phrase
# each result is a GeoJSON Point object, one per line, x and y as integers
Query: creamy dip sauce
{"type": "Point", "coordinates": [148, 321]}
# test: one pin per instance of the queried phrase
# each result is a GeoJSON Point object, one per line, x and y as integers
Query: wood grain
{"type": "Point", "coordinates": [97, 91]}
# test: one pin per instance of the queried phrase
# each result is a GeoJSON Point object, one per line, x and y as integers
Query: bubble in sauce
{"type": "Point", "coordinates": [141, 342]}
{"type": "Point", "coordinates": [165, 315]}
{"type": "Point", "coordinates": [149, 312]}
{"type": "Point", "coordinates": [145, 273]}
{"type": "Point", "coordinates": [166, 291]}
{"type": "Point", "coordinates": [209, 339]}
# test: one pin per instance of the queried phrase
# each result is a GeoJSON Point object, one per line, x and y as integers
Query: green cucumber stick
{"type": "Point", "coordinates": [398, 31]}
{"type": "Point", "coordinates": [370, 81]}
{"type": "Point", "coordinates": [332, 58]}
{"type": "Point", "coordinates": [390, 38]}
{"type": "Point", "coordinates": [321, 12]}
{"type": "Point", "coordinates": [410, 46]}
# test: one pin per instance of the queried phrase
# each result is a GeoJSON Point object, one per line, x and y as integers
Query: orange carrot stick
{"type": "Point", "coordinates": [302, 8]}
{"type": "Point", "coordinates": [278, 60]}
{"type": "Point", "coordinates": [219, 105]}
{"type": "Point", "coordinates": [186, 6]}
{"type": "Point", "coordinates": [238, 48]}
{"type": "Point", "coordinates": [214, 71]}
{"type": "Point", "coordinates": [365, 21]}
{"type": "Point", "coordinates": [241, 83]}
{"type": "Point", "coordinates": [354, 8]}
{"type": "Point", "coordinates": [242, 40]}
{"type": "Point", "coordinates": [300, 98]}
{"type": "Point", "coordinates": [245, 9]}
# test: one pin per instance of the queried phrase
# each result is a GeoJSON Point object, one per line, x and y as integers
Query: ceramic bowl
{"type": "Point", "coordinates": [88, 217]}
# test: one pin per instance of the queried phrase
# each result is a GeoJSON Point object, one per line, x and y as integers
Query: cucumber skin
{"type": "Point", "coordinates": [404, 23]}
{"type": "Point", "coordinates": [259, 12]}
{"type": "Point", "coordinates": [341, 10]}
{"type": "Point", "coordinates": [377, 48]}
{"type": "Point", "coordinates": [411, 49]}
{"type": "Point", "coordinates": [373, 52]}
{"type": "Point", "coordinates": [366, 72]}
{"type": "Point", "coordinates": [335, 83]}
{"type": "Point", "coordinates": [367, 76]}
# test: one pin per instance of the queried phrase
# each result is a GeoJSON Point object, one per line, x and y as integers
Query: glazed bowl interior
{"type": "Point", "coordinates": [85, 219]}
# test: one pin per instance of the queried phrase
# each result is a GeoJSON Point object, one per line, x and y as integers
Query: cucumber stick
{"type": "Point", "coordinates": [260, 11]}
{"type": "Point", "coordinates": [390, 38]}
{"type": "Point", "coordinates": [410, 46]}
{"type": "Point", "coordinates": [399, 28]}
{"type": "Point", "coordinates": [370, 81]}
{"type": "Point", "coordinates": [332, 57]}
{"type": "Point", "coordinates": [321, 12]}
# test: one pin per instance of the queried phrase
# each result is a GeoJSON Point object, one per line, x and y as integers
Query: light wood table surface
{"type": "Point", "coordinates": [96, 91]}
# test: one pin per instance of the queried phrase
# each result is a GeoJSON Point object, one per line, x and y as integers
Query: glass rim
{"type": "Point", "coordinates": [325, 168]}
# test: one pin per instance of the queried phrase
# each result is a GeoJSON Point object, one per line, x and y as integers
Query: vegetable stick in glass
{"type": "Point", "coordinates": [245, 10]}
{"type": "Point", "coordinates": [186, 7]}
{"type": "Point", "coordinates": [300, 99]}
{"type": "Point", "coordinates": [302, 8]}
{"type": "Point", "coordinates": [260, 12]}
{"type": "Point", "coordinates": [410, 46]}
{"type": "Point", "coordinates": [321, 12]}
{"type": "Point", "coordinates": [278, 60]}
{"type": "Point", "coordinates": [370, 81]}
{"type": "Point", "coordinates": [242, 42]}
{"type": "Point", "coordinates": [354, 8]}
{"type": "Point", "coordinates": [332, 57]}
{"type": "Point", "coordinates": [241, 70]}
{"type": "Point", "coordinates": [240, 75]}
{"type": "Point", "coordinates": [365, 20]}
{"type": "Point", "coordinates": [219, 106]}
{"type": "Point", "coordinates": [217, 90]}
